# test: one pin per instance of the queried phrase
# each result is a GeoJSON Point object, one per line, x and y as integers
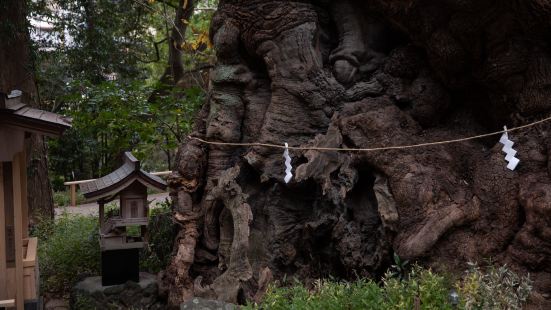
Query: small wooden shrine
{"type": "Point", "coordinates": [119, 249]}
{"type": "Point", "coordinates": [19, 278]}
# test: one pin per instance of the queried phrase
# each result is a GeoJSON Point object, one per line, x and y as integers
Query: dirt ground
{"type": "Point", "coordinates": [92, 208]}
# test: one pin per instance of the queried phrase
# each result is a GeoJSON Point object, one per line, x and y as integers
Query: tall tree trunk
{"type": "Point", "coordinates": [17, 72]}
{"type": "Point", "coordinates": [174, 71]}
{"type": "Point", "coordinates": [361, 74]}
{"type": "Point", "coordinates": [175, 79]}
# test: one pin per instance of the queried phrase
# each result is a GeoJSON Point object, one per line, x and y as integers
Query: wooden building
{"type": "Point", "coordinates": [19, 278]}
{"type": "Point", "coordinates": [120, 250]}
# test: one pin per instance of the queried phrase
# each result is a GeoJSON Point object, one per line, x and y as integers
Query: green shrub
{"type": "Point", "coordinates": [68, 250]}
{"type": "Point", "coordinates": [493, 288]}
{"type": "Point", "coordinates": [84, 302]}
{"type": "Point", "coordinates": [161, 230]}
{"type": "Point", "coordinates": [497, 288]}
{"type": "Point", "coordinates": [63, 198]}
{"type": "Point", "coordinates": [69, 247]}
{"type": "Point", "coordinates": [112, 209]}
{"type": "Point", "coordinates": [430, 290]}
{"type": "Point", "coordinates": [133, 231]}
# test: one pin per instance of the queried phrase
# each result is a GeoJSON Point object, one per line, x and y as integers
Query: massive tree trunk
{"type": "Point", "coordinates": [17, 72]}
{"type": "Point", "coordinates": [362, 74]}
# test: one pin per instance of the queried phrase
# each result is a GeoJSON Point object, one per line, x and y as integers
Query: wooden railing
{"type": "Point", "coordinates": [73, 185]}
{"type": "Point", "coordinates": [10, 303]}
{"type": "Point", "coordinates": [31, 278]}
{"type": "Point", "coordinates": [30, 275]}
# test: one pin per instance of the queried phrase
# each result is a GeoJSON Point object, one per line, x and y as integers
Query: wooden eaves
{"type": "Point", "coordinates": [14, 113]}
{"type": "Point", "coordinates": [107, 188]}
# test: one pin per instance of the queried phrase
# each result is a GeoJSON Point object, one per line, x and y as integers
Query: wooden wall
{"type": "Point", "coordinates": [14, 231]}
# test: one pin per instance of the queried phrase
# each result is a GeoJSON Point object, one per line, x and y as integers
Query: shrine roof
{"type": "Point", "coordinates": [15, 113]}
{"type": "Point", "coordinates": [118, 180]}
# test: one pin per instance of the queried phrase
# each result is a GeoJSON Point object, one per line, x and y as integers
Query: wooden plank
{"type": "Point", "coordinates": [73, 195]}
{"type": "Point", "coordinates": [30, 113]}
{"type": "Point", "coordinates": [79, 182]}
{"type": "Point", "coordinates": [33, 125]}
{"type": "Point", "coordinates": [7, 303]}
{"type": "Point", "coordinates": [29, 280]}
{"type": "Point", "coordinates": [3, 265]}
{"type": "Point", "coordinates": [24, 198]}
{"type": "Point", "coordinates": [8, 211]}
{"type": "Point", "coordinates": [100, 183]}
{"type": "Point", "coordinates": [118, 175]}
{"type": "Point", "coordinates": [18, 230]}
{"type": "Point", "coordinates": [14, 106]}
{"type": "Point", "coordinates": [162, 173]}
{"type": "Point", "coordinates": [30, 256]}
{"type": "Point", "coordinates": [11, 283]}
{"type": "Point", "coordinates": [110, 179]}
{"type": "Point", "coordinates": [12, 142]}
{"type": "Point", "coordinates": [92, 187]}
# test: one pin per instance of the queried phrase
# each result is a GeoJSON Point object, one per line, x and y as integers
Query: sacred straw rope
{"type": "Point", "coordinates": [398, 147]}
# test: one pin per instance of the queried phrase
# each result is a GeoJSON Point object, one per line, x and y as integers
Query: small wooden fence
{"type": "Point", "coordinates": [73, 185]}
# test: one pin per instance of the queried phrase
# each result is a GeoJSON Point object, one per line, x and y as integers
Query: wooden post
{"type": "Point", "coordinates": [3, 262]}
{"type": "Point", "coordinates": [73, 195]}
{"type": "Point", "coordinates": [24, 199]}
{"type": "Point", "coordinates": [101, 214]}
{"type": "Point", "coordinates": [18, 229]}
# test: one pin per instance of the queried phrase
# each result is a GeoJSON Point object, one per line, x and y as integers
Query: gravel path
{"type": "Point", "coordinates": [93, 208]}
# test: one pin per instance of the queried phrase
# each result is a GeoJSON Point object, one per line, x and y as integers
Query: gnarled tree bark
{"type": "Point", "coordinates": [362, 74]}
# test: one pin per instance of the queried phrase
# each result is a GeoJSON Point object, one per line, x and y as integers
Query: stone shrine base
{"type": "Point", "coordinates": [204, 304]}
{"type": "Point", "coordinates": [90, 294]}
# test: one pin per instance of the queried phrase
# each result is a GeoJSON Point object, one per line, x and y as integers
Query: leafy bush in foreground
{"type": "Point", "coordinates": [493, 288]}
{"type": "Point", "coordinates": [161, 230]}
{"type": "Point", "coordinates": [498, 288]}
{"type": "Point", "coordinates": [67, 250]}
{"type": "Point", "coordinates": [422, 287]}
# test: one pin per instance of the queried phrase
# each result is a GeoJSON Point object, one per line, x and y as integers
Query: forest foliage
{"type": "Point", "coordinates": [101, 62]}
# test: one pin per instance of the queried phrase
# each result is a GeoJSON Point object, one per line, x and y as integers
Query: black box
{"type": "Point", "coordinates": [120, 266]}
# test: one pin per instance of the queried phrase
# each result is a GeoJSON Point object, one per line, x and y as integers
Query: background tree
{"type": "Point", "coordinates": [17, 73]}
{"type": "Point", "coordinates": [105, 64]}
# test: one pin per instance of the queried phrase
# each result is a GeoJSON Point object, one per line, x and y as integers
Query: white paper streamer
{"type": "Point", "coordinates": [508, 149]}
{"type": "Point", "coordinates": [288, 167]}
{"type": "Point", "coordinates": [15, 93]}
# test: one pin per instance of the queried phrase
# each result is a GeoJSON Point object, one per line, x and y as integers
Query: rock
{"type": "Point", "coordinates": [129, 298]}
{"type": "Point", "coordinates": [146, 301]}
{"type": "Point", "coordinates": [113, 290]}
{"type": "Point", "coordinates": [142, 295]}
{"type": "Point", "coordinates": [130, 285]}
{"type": "Point", "coordinates": [205, 304]}
{"type": "Point", "coordinates": [98, 295]}
{"type": "Point", "coordinates": [151, 289]}
{"type": "Point", "coordinates": [57, 304]}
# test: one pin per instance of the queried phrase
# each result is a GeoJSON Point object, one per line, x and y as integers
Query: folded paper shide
{"type": "Point", "coordinates": [508, 149]}
{"type": "Point", "coordinates": [288, 167]}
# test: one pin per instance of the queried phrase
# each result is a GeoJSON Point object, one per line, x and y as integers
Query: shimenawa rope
{"type": "Point", "coordinates": [397, 147]}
